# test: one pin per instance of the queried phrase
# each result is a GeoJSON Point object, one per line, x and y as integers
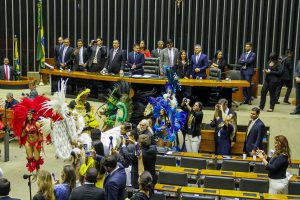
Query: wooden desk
{"type": "Point", "coordinates": [99, 83]}
{"type": "Point", "coordinates": [280, 196]}
{"type": "Point", "coordinates": [20, 84]}
{"type": "Point", "coordinates": [251, 175]}
{"type": "Point", "coordinates": [208, 142]}
{"type": "Point", "coordinates": [208, 172]}
{"type": "Point", "coordinates": [239, 194]}
{"type": "Point", "coordinates": [203, 191]}
{"type": "Point", "coordinates": [295, 179]}
{"type": "Point", "coordinates": [159, 167]}
{"type": "Point", "coordinates": [171, 190]}
{"type": "Point", "coordinates": [191, 172]}
{"type": "Point", "coordinates": [197, 155]}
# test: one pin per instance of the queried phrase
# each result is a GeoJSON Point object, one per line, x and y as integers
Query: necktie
{"type": "Point", "coordinates": [115, 51]}
{"type": "Point", "coordinates": [7, 72]}
{"type": "Point", "coordinates": [250, 127]}
{"type": "Point", "coordinates": [247, 54]}
{"type": "Point", "coordinates": [134, 57]}
{"type": "Point", "coordinates": [63, 55]}
{"type": "Point", "coordinates": [96, 54]}
{"type": "Point", "coordinates": [197, 58]}
{"type": "Point", "coordinates": [158, 51]}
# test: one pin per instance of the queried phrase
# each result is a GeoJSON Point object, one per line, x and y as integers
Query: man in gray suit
{"type": "Point", "coordinates": [6, 71]}
{"type": "Point", "coordinates": [156, 52]}
{"type": "Point", "coordinates": [168, 56]}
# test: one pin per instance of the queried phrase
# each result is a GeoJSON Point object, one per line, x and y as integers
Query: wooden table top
{"type": "Point", "coordinates": [24, 80]}
{"type": "Point", "coordinates": [208, 172]}
{"type": "Point", "coordinates": [196, 190]}
{"type": "Point", "coordinates": [295, 179]}
{"type": "Point", "coordinates": [239, 194]}
{"type": "Point", "coordinates": [183, 170]}
{"type": "Point", "coordinates": [168, 188]}
{"type": "Point", "coordinates": [185, 82]}
{"type": "Point", "coordinates": [280, 196]}
{"type": "Point", "coordinates": [251, 175]}
{"type": "Point", "coordinates": [194, 155]}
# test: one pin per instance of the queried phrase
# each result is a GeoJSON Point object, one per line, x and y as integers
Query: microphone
{"type": "Point", "coordinates": [26, 176]}
{"type": "Point", "coordinates": [110, 147]}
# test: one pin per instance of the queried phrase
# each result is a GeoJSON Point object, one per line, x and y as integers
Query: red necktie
{"type": "Point", "coordinates": [6, 75]}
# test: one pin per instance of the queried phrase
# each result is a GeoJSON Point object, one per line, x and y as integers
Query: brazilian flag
{"type": "Point", "coordinates": [40, 54]}
{"type": "Point", "coordinates": [16, 56]}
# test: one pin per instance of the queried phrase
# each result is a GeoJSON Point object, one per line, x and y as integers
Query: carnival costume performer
{"type": "Point", "coordinates": [169, 121]}
{"type": "Point", "coordinates": [83, 108]}
{"type": "Point", "coordinates": [69, 129]}
{"type": "Point", "coordinates": [27, 128]}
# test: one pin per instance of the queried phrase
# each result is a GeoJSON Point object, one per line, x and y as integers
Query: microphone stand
{"type": "Point", "coordinates": [6, 137]}
{"type": "Point", "coordinates": [29, 185]}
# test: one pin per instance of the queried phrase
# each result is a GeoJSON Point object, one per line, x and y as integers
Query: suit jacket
{"type": "Point", "coordinates": [255, 137]}
{"type": "Point", "coordinates": [114, 65]}
{"type": "Point", "coordinates": [164, 58]}
{"type": "Point", "coordinates": [12, 73]}
{"type": "Point", "coordinates": [195, 129]}
{"type": "Point", "coordinates": [101, 56]}
{"type": "Point", "coordinates": [68, 56]}
{"type": "Point", "coordinates": [155, 53]}
{"type": "Point", "coordinates": [76, 59]}
{"type": "Point", "coordinates": [149, 160]}
{"type": "Point", "coordinates": [139, 62]}
{"type": "Point", "coordinates": [115, 184]}
{"type": "Point", "coordinates": [288, 69]}
{"type": "Point", "coordinates": [275, 73]}
{"type": "Point", "coordinates": [202, 64]}
{"type": "Point", "coordinates": [57, 50]}
{"type": "Point", "coordinates": [10, 105]}
{"type": "Point", "coordinates": [87, 192]}
{"type": "Point", "coordinates": [247, 62]}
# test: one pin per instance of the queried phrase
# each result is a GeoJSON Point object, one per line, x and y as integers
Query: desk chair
{"type": "Point", "coordinates": [172, 178]}
{"type": "Point", "coordinates": [151, 66]}
{"type": "Point", "coordinates": [254, 185]}
{"type": "Point", "coordinates": [234, 75]}
{"type": "Point", "coordinates": [193, 163]}
{"type": "Point", "coordinates": [259, 168]}
{"type": "Point", "coordinates": [165, 160]}
{"type": "Point", "coordinates": [218, 182]}
{"type": "Point", "coordinates": [238, 166]}
{"type": "Point", "coordinates": [294, 188]}
{"type": "Point", "coordinates": [191, 197]}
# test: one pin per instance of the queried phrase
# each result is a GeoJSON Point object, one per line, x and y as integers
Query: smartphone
{"type": "Point", "coordinates": [53, 176]}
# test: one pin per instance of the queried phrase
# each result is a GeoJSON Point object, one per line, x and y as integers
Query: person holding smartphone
{"type": "Point", "coordinates": [277, 165]}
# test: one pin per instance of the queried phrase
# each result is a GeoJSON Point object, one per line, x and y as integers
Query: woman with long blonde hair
{"type": "Point", "coordinates": [45, 186]}
{"type": "Point", "coordinates": [277, 165]}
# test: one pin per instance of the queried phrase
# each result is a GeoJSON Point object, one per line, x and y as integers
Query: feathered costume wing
{"type": "Point", "coordinates": [64, 130]}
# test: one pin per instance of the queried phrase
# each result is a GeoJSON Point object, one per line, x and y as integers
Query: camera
{"type": "Point", "coordinates": [185, 100]}
{"type": "Point", "coordinates": [94, 41]}
{"type": "Point", "coordinates": [218, 106]}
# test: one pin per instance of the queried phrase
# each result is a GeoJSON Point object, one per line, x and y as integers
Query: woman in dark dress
{"type": "Point", "coordinates": [219, 62]}
{"type": "Point", "coordinates": [45, 186]}
{"type": "Point", "coordinates": [273, 72]}
{"type": "Point", "coordinates": [277, 165]}
{"type": "Point", "coordinates": [182, 67]}
{"type": "Point", "coordinates": [223, 137]}
{"type": "Point", "coordinates": [145, 186]}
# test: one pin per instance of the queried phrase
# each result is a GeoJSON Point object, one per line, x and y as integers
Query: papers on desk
{"type": "Point", "coordinates": [169, 153]}
{"type": "Point", "coordinates": [227, 158]}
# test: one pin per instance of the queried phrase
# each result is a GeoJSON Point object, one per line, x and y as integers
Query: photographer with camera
{"type": "Point", "coordinates": [221, 113]}
{"type": "Point", "coordinates": [144, 156]}
{"type": "Point", "coordinates": [193, 125]}
{"type": "Point", "coordinates": [97, 55]}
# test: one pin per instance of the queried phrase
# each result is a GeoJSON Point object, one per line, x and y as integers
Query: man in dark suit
{"type": "Point", "coordinates": [5, 189]}
{"type": "Point", "coordinates": [97, 55]}
{"type": "Point", "coordinates": [136, 60]}
{"type": "Point", "coordinates": [254, 133]}
{"type": "Point", "coordinates": [88, 190]}
{"type": "Point", "coordinates": [65, 56]}
{"type": "Point", "coordinates": [57, 50]}
{"type": "Point", "coordinates": [247, 61]}
{"type": "Point", "coordinates": [10, 101]}
{"type": "Point", "coordinates": [116, 59]}
{"type": "Point", "coordinates": [198, 63]}
{"type": "Point", "coordinates": [156, 52]}
{"type": "Point", "coordinates": [297, 85]}
{"type": "Point", "coordinates": [6, 71]}
{"type": "Point", "coordinates": [115, 181]}
{"type": "Point", "coordinates": [80, 57]}
{"type": "Point", "coordinates": [287, 76]}
{"type": "Point", "coordinates": [149, 153]}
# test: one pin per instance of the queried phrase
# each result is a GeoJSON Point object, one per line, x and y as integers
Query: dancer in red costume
{"type": "Point", "coordinates": [27, 129]}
